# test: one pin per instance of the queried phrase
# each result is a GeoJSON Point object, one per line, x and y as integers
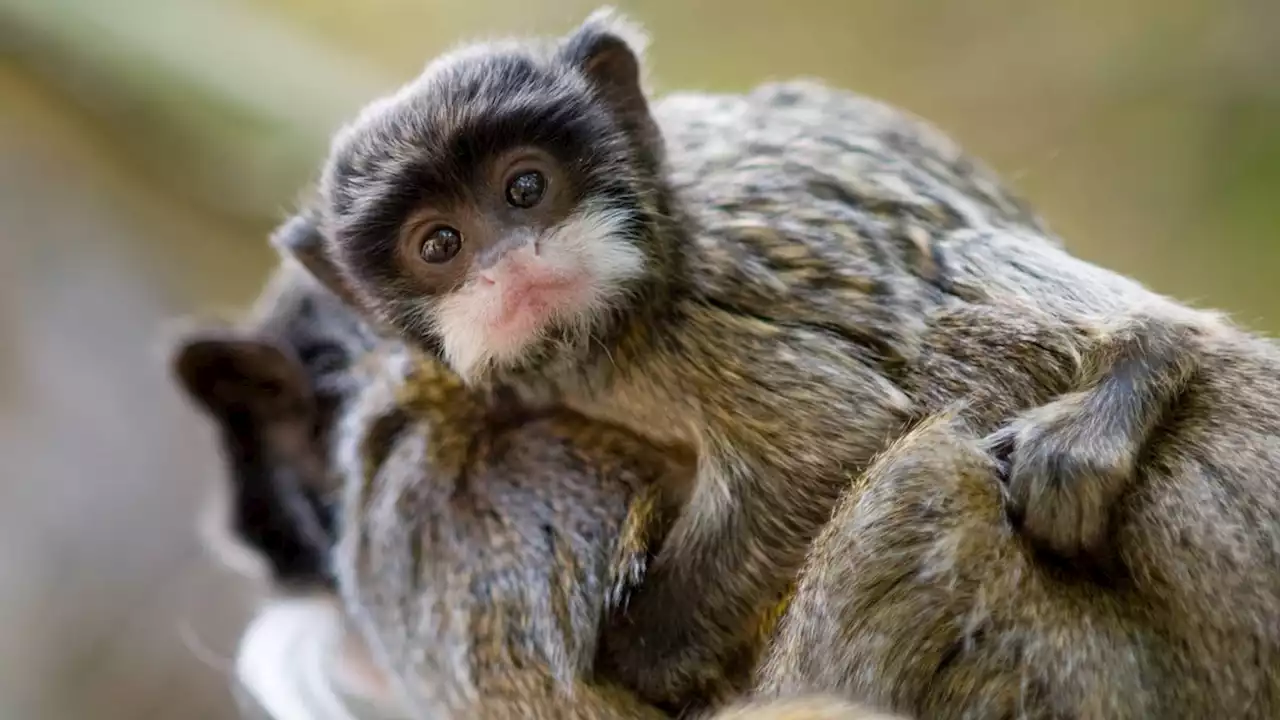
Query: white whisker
{"type": "Point", "coordinates": [595, 245]}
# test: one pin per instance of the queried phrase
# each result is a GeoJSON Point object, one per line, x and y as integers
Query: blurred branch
{"type": "Point", "coordinates": [238, 127]}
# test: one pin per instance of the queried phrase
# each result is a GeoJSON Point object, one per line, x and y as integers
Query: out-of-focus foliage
{"type": "Point", "coordinates": [1147, 131]}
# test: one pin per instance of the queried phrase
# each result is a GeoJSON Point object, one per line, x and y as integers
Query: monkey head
{"type": "Point", "coordinates": [495, 210]}
{"type": "Point", "coordinates": [262, 401]}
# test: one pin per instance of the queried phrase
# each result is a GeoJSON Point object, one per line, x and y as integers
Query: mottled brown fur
{"type": "Point", "coordinates": [482, 554]}
{"type": "Point", "coordinates": [921, 597]}
{"type": "Point", "coordinates": [479, 548]}
{"type": "Point", "coordinates": [800, 242]}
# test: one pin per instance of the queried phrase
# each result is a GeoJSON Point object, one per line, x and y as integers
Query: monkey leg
{"type": "Point", "coordinates": [1068, 462]}
{"type": "Point", "coordinates": [918, 598]}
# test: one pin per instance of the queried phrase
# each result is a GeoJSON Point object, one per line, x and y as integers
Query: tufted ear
{"type": "Point", "coordinates": [608, 49]}
{"type": "Point", "coordinates": [300, 238]}
{"type": "Point", "coordinates": [226, 372]}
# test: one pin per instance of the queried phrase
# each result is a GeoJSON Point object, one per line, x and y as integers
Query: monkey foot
{"type": "Point", "coordinates": [1063, 474]}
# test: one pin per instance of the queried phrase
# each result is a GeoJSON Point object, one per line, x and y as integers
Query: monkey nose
{"type": "Point", "coordinates": [492, 256]}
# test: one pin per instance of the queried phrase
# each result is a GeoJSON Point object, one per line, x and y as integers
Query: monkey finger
{"type": "Point", "coordinates": [1000, 445]}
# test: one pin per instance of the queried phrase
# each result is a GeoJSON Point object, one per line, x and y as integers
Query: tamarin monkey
{"type": "Point", "coordinates": [745, 275]}
{"type": "Point", "coordinates": [481, 562]}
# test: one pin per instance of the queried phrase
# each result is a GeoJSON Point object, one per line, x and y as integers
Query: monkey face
{"type": "Point", "coordinates": [526, 257]}
{"type": "Point", "coordinates": [494, 209]}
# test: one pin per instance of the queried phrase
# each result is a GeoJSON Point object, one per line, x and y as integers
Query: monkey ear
{"type": "Point", "coordinates": [300, 238]}
{"type": "Point", "coordinates": [608, 49]}
{"type": "Point", "coordinates": [225, 371]}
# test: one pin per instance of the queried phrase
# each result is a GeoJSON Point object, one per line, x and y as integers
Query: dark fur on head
{"type": "Point", "coordinates": [273, 387]}
{"type": "Point", "coordinates": [579, 100]}
{"type": "Point", "coordinates": [253, 390]}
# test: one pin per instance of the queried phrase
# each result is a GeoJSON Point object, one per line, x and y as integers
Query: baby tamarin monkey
{"type": "Point", "coordinates": [747, 275]}
{"type": "Point", "coordinates": [483, 544]}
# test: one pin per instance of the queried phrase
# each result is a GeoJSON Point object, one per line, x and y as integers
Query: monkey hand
{"type": "Point", "coordinates": [1063, 473]}
{"type": "Point", "coordinates": [635, 546]}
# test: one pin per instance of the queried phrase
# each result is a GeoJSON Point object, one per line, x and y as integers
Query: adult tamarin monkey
{"type": "Point", "coordinates": [750, 277]}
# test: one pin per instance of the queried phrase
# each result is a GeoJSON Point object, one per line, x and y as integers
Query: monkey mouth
{"type": "Point", "coordinates": [502, 323]}
{"type": "Point", "coordinates": [530, 307]}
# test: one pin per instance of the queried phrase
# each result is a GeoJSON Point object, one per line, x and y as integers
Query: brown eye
{"type": "Point", "coordinates": [525, 190]}
{"type": "Point", "coordinates": [441, 245]}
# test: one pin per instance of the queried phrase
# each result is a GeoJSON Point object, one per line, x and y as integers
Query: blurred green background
{"type": "Point", "coordinates": [147, 146]}
{"type": "Point", "coordinates": [1148, 132]}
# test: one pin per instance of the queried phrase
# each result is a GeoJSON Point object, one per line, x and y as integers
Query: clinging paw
{"type": "Point", "coordinates": [1064, 470]}
{"type": "Point", "coordinates": [1068, 462]}
{"type": "Point", "coordinates": [635, 548]}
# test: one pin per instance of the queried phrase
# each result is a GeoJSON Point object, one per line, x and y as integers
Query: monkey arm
{"type": "Point", "coordinates": [675, 635]}
{"type": "Point", "coordinates": [781, 434]}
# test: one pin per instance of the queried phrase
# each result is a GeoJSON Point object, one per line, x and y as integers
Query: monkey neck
{"type": "Point", "coordinates": [667, 242]}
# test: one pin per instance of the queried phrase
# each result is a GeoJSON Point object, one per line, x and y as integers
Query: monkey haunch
{"type": "Point", "coordinates": [918, 597]}
{"type": "Point", "coordinates": [746, 275]}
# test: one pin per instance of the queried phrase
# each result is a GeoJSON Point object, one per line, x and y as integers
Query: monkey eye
{"type": "Point", "coordinates": [441, 245]}
{"type": "Point", "coordinates": [525, 190]}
